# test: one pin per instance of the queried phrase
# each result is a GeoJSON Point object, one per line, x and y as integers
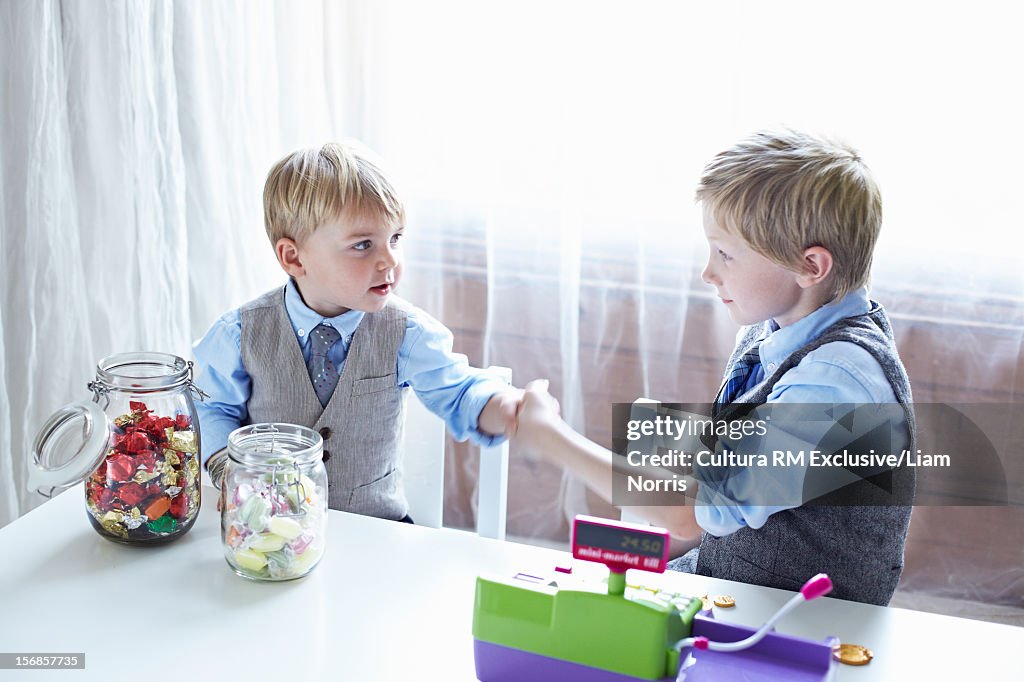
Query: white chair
{"type": "Point", "coordinates": [423, 470]}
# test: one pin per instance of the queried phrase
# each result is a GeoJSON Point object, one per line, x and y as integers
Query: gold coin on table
{"type": "Point", "coordinates": [725, 601]}
{"type": "Point", "coordinates": [852, 654]}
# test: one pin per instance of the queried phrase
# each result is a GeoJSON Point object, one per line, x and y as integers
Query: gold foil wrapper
{"type": "Point", "coordinates": [171, 457]}
{"type": "Point", "coordinates": [113, 523]}
{"type": "Point", "coordinates": [143, 476]}
{"type": "Point", "coordinates": [192, 471]}
{"type": "Point", "coordinates": [135, 519]}
{"type": "Point", "coordinates": [185, 441]}
{"type": "Point", "coordinates": [122, 421]}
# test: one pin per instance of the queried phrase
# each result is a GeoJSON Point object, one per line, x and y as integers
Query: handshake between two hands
{"type": "Point", "coordinates": [520, 413]}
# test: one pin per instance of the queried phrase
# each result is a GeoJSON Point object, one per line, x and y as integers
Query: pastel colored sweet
{"type": "Point", "coordinates": [242, 493]}
{"type": "Point", "coordinates": [289, 529]}
{"type": "Point", "coordinates": [300, 544]}
{"type": "Point", "coordinates": [276, 532]}
{"type": "Point", "coordinates": [255, 513]}
{"type": "Point", "coordinates": [266, 542]}
{"type": "Point", "coordinates": [304, 562]}
{"type": "Point", "coordinates": [250, 560]}
{"type": "Point", "coordinates": [281, 565]}
{"type": "Point", "coordinates": [280, 559]}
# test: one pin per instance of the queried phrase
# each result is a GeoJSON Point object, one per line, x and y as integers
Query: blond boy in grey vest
{"type": "Point", "coordinates": [334, 348]}
{"type": "Point", "coordinates": [791, 221]}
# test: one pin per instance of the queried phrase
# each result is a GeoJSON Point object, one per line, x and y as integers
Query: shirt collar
{"type": "Point", "coordinates": [781, 342]}
{"type": "Point", "coordinates": [304, 318]}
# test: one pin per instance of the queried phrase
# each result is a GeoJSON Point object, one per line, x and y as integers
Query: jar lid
{"type": "Point", "coordinates": [70, 446]}
{"type": "Point", "coordinates": [273, 444]}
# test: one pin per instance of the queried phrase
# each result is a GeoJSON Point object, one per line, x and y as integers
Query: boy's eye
{"type": "Point", "coordinates": [395, 238]}
{"type": "Point", "coordinates": [362, 246]}
{"type": "Point", "coordinates": [724, 255]}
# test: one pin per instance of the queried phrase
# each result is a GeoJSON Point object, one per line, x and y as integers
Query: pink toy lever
{"type": "Point", "coordinates": [818, 586]}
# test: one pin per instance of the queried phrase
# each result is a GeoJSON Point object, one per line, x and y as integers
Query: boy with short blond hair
{"type": "Point", "coordinates": [791, 220]}
{"type": "Point", "coordinates": [334, 349]}
{"type": "Point", "coordinates": [784, 191]}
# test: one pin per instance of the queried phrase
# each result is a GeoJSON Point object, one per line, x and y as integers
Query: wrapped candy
{"type": "Point", "coordinates": [148, 484]}
{"type": "Point", "coordinates": [135, 446]}
{"type": "Point", "coordinates": [274, 515]}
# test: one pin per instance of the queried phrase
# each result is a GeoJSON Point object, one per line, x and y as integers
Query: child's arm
{"type": "Point", "coordinates": [542, 431]}
{"type": "Point", "coordinates": [222, 376]}
{"type": "Point", "coordinates": [473, 403]}
{"type": "Point", "coordinates": [498, 418]}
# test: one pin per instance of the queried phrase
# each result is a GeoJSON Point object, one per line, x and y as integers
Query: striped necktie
{"type": "Point", "coordinates": [740, 374]}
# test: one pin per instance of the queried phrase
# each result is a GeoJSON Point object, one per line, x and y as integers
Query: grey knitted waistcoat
{"type": "Point", "coordinates": [362, 422]}
{"type": "Point", "coordinates": [860, 547]}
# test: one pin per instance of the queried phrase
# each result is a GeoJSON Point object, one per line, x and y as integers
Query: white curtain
{"type": "Point", "coordinates": [553, 149]}
{"type": "Point", "coordinates": [134, 139]}
{"type": "Point", "coordinates": [548, 153]}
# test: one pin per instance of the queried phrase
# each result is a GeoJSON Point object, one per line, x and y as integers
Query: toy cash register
{"type": "Point", "coordinates": [561, 627]}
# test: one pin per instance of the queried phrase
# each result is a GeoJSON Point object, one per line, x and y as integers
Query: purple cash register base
{"type": "Point", "coordinates": [776, 657]}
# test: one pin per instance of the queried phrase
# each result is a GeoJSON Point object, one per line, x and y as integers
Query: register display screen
{"type": "Point", "coordinates": [611, 543]}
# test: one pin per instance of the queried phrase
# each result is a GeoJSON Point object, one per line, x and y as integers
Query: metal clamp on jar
{"type": "Point", "coordinates": [274, 501]}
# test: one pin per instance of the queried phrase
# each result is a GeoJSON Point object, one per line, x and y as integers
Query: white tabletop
{"type": "Point", "coordinates": [389, 601]}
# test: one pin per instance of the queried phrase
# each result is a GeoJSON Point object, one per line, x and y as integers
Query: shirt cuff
{"type": "Point", "coordinates": [473, 402]}
{"type": "Point", "coordinates": [718, 519]}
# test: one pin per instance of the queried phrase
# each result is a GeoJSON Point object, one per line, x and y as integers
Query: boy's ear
{"type": "Point", "coordinates": [288, 256]}
{"type": "Point", "coordinates": [817, 266]}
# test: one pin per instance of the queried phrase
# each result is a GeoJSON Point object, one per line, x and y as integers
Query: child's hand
{"type": "Point", "coordinates": [498, 418]}
{"type": "Point", "coordinates": [538, 413]}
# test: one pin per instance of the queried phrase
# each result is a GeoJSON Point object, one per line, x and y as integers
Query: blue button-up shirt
{"type": "Point", "coordinates": [836, 373]}
{"type": "Point", "coordinates": [443, 380]}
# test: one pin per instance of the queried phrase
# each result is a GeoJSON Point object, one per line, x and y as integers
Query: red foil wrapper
{"type": "Point", "coordinates": [131, 494]}
{"type": "Point", "coordinates": [179, 505]}
{"type": "Point", "coordinates": [140, 474]}
{"type": "Point", "coordinates": [120, 468]}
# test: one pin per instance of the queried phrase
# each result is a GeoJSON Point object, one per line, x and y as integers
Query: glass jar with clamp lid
{"type": "Point", "coordinates": [274, 501]}
{"type": "Point", "coordinates": [136, 446]}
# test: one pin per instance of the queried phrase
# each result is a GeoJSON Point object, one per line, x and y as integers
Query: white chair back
{"type": "Point", "coordinates": [423, 471]}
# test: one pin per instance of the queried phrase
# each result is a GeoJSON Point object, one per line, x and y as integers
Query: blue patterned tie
{"type": "Point", "coordinates": [739, 375]}
{"type": "Point", "coordinates": [322, 371]}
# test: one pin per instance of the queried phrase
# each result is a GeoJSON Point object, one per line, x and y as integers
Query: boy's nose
{"type": "Point", "coordinates": [707, 275]}
{"type": "Point", "coordinates": [388, 260]}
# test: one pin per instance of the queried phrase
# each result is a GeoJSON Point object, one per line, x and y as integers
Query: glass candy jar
{"type": "Point", "coordinates": [136, 446]}
{"type": "Point", "coordinates": [274, 501]}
